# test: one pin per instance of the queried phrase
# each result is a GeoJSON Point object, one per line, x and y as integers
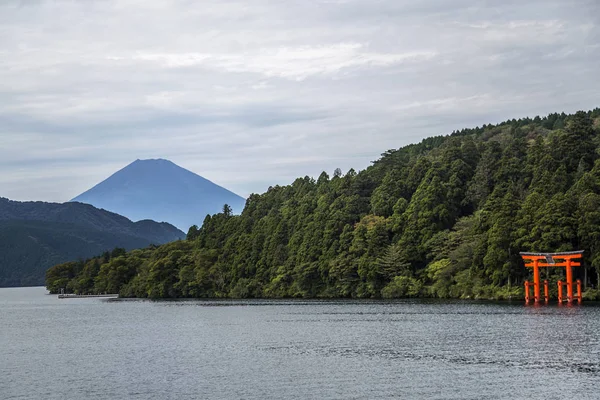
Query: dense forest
{"type": "Point", "coordinates": [443, 218]}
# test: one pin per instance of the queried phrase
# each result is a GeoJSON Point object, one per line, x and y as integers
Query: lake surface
{"type": "Point", "coordinates": [102, 349]}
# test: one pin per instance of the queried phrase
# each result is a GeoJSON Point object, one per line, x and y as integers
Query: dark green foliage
{"type": "Point", "coordinates": [193, 232]}
{"type": "Point", "coordinates": [445, 218]}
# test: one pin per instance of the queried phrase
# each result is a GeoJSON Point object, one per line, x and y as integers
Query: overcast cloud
{"type": "Point", "coordinates": [255, 93]}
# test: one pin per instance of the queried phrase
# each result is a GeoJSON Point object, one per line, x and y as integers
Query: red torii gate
{"type": "Point", "coordinates": [564, 259]}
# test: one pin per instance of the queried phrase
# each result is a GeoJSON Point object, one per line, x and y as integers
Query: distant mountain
{"type": "Point", "coordinates": [37, 235]}
{"type": "Point", "coordinates": [162, 191]}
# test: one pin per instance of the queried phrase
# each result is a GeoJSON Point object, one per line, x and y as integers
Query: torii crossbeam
{"type": "Point", "coordinates": [564, 259]}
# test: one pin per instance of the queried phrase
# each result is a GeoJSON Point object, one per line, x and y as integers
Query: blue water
{"type": "Point", "coordinates": [101, 349]}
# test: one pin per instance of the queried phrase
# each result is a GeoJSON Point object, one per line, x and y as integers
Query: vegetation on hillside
{"type": "Point", "coordinates": [443, 218]}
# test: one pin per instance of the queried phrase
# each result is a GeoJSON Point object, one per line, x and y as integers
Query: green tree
{"type": "Point", "coordinates": [193, 232]}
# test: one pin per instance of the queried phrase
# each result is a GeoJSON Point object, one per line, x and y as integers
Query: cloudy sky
{"type": "Point", "coordinates": [254, 93]}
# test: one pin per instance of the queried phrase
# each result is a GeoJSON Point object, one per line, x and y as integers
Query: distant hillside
{"type": "Point", "coordinates": [161, 191]}
{"type": "Point", "coordinates": [443, 218]}
{"type": "Point", "coordinates": [37, 235]}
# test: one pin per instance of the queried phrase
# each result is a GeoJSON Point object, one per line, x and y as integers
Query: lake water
{"type": "Point", "coordinates": [102, 349]}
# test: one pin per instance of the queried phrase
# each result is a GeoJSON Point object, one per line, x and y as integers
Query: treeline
{"type": "Point", "coordinates": [443, 218]}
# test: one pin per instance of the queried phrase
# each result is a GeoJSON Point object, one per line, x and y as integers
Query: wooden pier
{"type": "Point", "coordinates": [85, 296]}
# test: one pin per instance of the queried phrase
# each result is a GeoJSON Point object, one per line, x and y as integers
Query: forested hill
{"type": "Point", "coordinates": [445, 218]}
{"type": "Point", "coordinates": [36, 235]}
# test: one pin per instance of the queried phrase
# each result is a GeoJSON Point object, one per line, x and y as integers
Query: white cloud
{"type": "Point", "coordinates": [289, 62]}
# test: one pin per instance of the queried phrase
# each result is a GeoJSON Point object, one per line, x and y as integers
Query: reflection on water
{"type": "Point", "coordinates": [96, 348]}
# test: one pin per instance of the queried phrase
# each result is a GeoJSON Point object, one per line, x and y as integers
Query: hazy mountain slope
{"type": "Point", "coordinates": [161, 191]}
{"type": "Point", "coordinates": [37, 235]}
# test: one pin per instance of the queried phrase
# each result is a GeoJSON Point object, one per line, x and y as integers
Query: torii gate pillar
{"type": "Point", "coordinates": [536, 281]}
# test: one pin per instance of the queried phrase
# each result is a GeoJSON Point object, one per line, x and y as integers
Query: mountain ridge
{"type": "Point", "coordinates": [35, 235]}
